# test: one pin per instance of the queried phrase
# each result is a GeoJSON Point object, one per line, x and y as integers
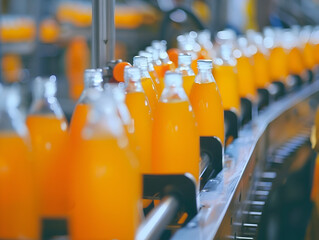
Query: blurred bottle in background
{"type": "Point", "coordinates": [19, 215]}
{"type": "Point", "coordinates": [49, 135]}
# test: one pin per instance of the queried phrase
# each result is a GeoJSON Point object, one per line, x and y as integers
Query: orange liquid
{"type": "Point", "coordinates": [49, 138]}
{"type": "Point", "coordinates": [261, 70]}
{"type": "Point", "coordinates": [78, 121]}
{"type": "Point", "coordinates": [208, 108]}
{"type": "Point", "coordinates": [105, 207]}
{"type": "Point", "coordinates": [188, 82]}
{"type": "Point", "coordinates": [156, 81]}
{"type": "Point", "coordinates": [140, 111]}
{"type": "Point", "coordinates": [316, 53]}
{"type": "Point", "coordinates": [150, 91]}
{"type": "Point", "coordinates": [308, 55]}
{"type": "Point", "coordinates": [18, 212]}
{"type": "Point", "coordinates": [246, 82]}
{"type": "Point", "coordinates": [226, 80]}
{"type": "Point", "coordinates": [159, 73]}
{"type": "Point", "coordinates": [295, 64]}
{"type": "Point", "coordinates": [278, 65]}
{"type": "Point", "coordinates": [175, 140]}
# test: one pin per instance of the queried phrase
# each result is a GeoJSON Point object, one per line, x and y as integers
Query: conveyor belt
{"type": "Point", "coordinates": [233, 202]}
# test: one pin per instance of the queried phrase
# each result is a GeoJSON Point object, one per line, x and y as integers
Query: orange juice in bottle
{"type": "Point", "coordinates": [184, 62]}
{"type": "Point", "coordinates": [278, 64]}
{"type": "Point", "coordinates": [294, 59]}
{"type": "Point", "coordinates": [204, 40]}
{"type": "Point", "coordinates": [19, 216]}
{"type": "Point", "coordinates": [207, 103]}
{"type": "Point", "coordinates": [315, 42]}
{"type": "Point", "coordinates": [175, 138]}
{"type": "Point", "coordinates": [92, 82]}
{"type": "Point", "coordinates": [260, 57]}
{"type": "Point", "coordinates": [151, 71]}
{"type": "Point", "coordinates": [167, 64]}
{"type": "Point", "coordinates": [146, 80]}
{"type": "Point", "coordinates": [157, 63]}
{"type": "Point", "coordinates": [308, 47]}
{"type": "Point", "coordinates": [48, 132]}
{"type": "Point", "coordinates": [245, 72]}
{"type": "Point", "coordinates": [103, 206]}
{"type": "Point", "coordinates": [226, 79]}
{"type": "Point", "coordinates": [140, 112]}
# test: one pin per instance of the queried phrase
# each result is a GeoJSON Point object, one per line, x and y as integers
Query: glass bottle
{"type": "Point", "coordinates": [207, 103]}
{"type": "Point", "coordinates": [175, 139]}
{"type": "Point", "coordinates": [49, 136]}
{"type": "Point", "coordinates": [146, 80]}
{"type": "Point", "coordinates": [151, 71]}
{"type": "Point", "coordinates": [140, 112]}
{"type": "Point", "coordinates": [92, 83]}
{"type": "Point", "coordinates": [19, 214]}
{"type": "Point", "coordinates": [224, 72]}
{"type": "Point", "coordinates": [184, 63]}
{"type": "Point", "coordinates": [104, 206]}
{"type": "Point", "coordinates": [245, 72]}
{"type": "Point", "coordinates": [260, 58]}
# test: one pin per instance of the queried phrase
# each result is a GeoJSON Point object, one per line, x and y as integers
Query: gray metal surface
{"type": "Point", "coordinates": [157, 220]}
{"type": "Point", "coordinates": [224, 199]}
{"type": "Point", "coordinates": [103, 32]}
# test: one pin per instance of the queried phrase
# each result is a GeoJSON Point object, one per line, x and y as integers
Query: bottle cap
{"type": "Point", "coordinates": [173, 79]}
{"type": "Point", "coordinates": [45, 86]}
{"type": "Point", "coordinates": [93, 78]}
{"type": "Point", "coordinates": [140, 62]}
{"type": "Point", "coordinates": [184, 59]}
{"type": "Point", "coordinates": [132, 74]}
{"type": "Point", "coordinates": [204, 64]}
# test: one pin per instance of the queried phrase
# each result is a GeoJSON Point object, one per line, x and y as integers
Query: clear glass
{"type": "Point", "coordinates": [204, 71]}
{"type": "Point", "coordinates": [92, 80]}
{"type": "Point", "coordinates": [11, 119]}
{"type": "Point", "coordinates": [133, 80]}
{"type": "Point", "coordinates": [118, 93]}
{"type": "Point", "coordinates": [173, 90]}
{"type": "Point", "coordinates": [44, 99]}
{"type": "Point", "coordinates": [141, 63]}
{"type": "Point", "coordinates": [103, 119]}
{"type": "Point", "coordinates": [184, 65]}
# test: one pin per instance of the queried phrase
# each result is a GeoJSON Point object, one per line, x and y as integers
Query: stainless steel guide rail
{"type": "Point", "coordinates": [224, 199]}
{"type": "Point", "coordinates": [103, 32]}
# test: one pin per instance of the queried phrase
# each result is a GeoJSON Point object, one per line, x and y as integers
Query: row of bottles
{"type": "Point", "coordinates": [90, 172]}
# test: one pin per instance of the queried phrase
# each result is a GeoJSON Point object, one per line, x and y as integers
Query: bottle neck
{"type": "Point", "coordinates": [11, 119]}
{"type": "Point", "coordinates": [134, 86]}
{"type": "Point", "coordinates": [204, 76]}
{"type": "Point", "coordinates": [173, 94]}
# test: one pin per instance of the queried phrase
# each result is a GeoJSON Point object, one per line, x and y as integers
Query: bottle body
{"type": "Point", "coordinates": [261, 72]}
{"type": "Point", "coordinates": [150, 91]}
{"type": "Point", "coordinates": [208, 108]}
{"type": "Point", "coordinates": [175, 140]}
{"type": "Point", "coordinates": [140, 112]}
{"type": "Point", "coordinates": [49, 138]}
{"type": "Point", "coordinates": [227, 83]}
{"type": "Point", "coordinates": [278, 66]}
{"type": "Point", "coordinates": [104, 206]}
{"type": "Point", "coordinates": [18, 203]}
{"type": "Point", "coordinates": [246, 83]}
